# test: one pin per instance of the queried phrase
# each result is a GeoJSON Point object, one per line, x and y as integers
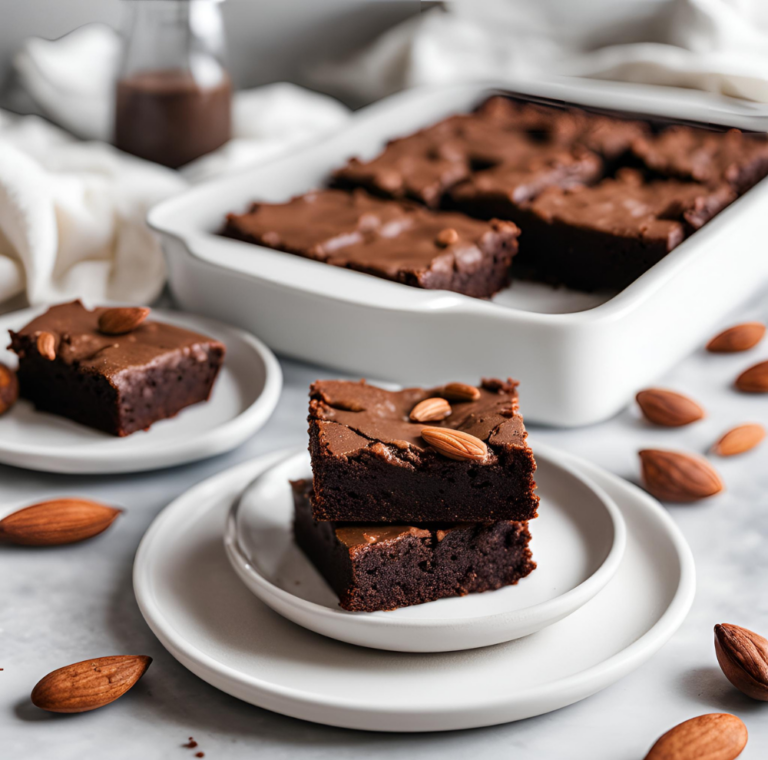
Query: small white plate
{"type": "Point", "coordinates": [578, 542]}
{"type": "Point", "coordinates": [206, 618]}
{"type": "Point", "coordinates": [244, 396]}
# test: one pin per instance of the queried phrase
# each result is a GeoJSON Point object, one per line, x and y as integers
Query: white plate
{"type": "Point", "coordinates": [200, 611]}
{"type": "Point", "coordinates": [578, 542]}
{"type": "Point", "coordinates": [579, 357]}
{"type": "Point", "coordinates": [244, 396]}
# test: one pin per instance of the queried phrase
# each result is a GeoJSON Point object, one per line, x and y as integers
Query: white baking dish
{"type": "Point", "coordinates": [579, 357]}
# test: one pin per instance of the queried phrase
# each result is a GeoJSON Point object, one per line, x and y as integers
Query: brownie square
{"type": "Point", "coordinates": [115, 383]}
{"type": "Point", "coordinates": [500, 191]}
{"type": "Point", "coordinates": [705, 156]}
{"type": "Point", "coordinates": [371, 463]}
{"type": "Point", "coordinates": [605, 236]}
{"type": "Point", "coordinates": [383, 567]}
{"type": "Point", "coordinates": [399, 242]}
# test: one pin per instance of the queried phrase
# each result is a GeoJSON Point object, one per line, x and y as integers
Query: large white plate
{"type": "Point", "coordinates": [244, 396]}
{"type": "Point", "coordinates": [212, 624]}
{"type": "Point", "coordinates": [578, 542]}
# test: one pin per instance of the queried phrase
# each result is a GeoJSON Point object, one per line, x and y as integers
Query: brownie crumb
{"type": "Point", "coordinates": [191, 744]}
{"type": "Point", "coordinates": [199, 754]}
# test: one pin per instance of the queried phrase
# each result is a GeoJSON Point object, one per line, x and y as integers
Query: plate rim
{"type": "Point", "coordinates": [588, 588]}
{"type": "Point", "coordinates": [483, 712]}
{"type": "Point", "coordinates": [223, 437]}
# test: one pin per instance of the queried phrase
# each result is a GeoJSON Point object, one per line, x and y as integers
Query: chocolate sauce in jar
{"type": "Point", "coordinates": [169, 118]}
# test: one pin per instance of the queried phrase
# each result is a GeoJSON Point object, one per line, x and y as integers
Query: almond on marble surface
{"type": "Point", "coordinates": [754, 379]}
{"type": "Point", "coordinates": [716, 736]}
{"type": "Point", "coordinates": [743, 658]}
{"type": "Point", "coordinates": [737, 338]}
{"type": "Point", "coordinates": [739, 439]}
{"type": "Point", "coordinates": [56, 522]}
{"type": "Point", "coordinates": [675, 476]}
{"type": "Point", "coordinates": [667, 408]}
{"type": "Point", "coordinates": [90, 684]}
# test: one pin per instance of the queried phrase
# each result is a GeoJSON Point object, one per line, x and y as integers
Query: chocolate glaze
{"type": "Point", "coordinates": [169, 118]}
{"type": "Point", "coordinates": [630, 207]}
{"type": "Point", "coordinates": [79, 342]}
{"type": "Point", "coordinates": [396, 241]}
{"type": "Point", "coordinates": [357, 416]}
{"type": "Point", "coordinates": [705, 156]}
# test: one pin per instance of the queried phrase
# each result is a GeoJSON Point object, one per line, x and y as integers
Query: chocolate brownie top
{"type": "Point", "coordinates": [355, 415]}
{"type": "Point", "coordinates": [523, 175]}
{"type": "Point", "coordinates": [630, 207]}
{"type": "Point", "coordinates": [703, 155]}
{"type": "Point", "coordinates": [355, 229]}
{"type": "Point", "coordinates": [79, 342]}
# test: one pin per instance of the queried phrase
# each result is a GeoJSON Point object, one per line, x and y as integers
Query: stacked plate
{"type": "Point", "coordinates": [615, 579]}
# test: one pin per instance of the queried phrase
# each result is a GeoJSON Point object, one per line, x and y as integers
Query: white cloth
{"type": "Point", "coordinates": [71, 212]}
{"type": "Point", "coordinates": [716, 45]}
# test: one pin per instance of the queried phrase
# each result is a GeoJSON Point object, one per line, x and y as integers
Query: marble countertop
{"type": "Point", "coordinates": [66, 604]}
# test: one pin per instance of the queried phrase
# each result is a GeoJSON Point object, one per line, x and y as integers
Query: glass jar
{"type": "Point", "coordinates": [174, 93]}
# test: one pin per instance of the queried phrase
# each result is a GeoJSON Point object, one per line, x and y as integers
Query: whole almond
{"type": "Point", "coordinates": [739, 439]}
{"type": "Point", "coordinates": [46, 345]}
{"type": "Point", "coordinates": [9, 388]}
{"type": "Point", "coordinates": [743, 657]}
{"type": "Point", "coordinates": [716, 736]}
{"type": "Point", "coordinates": [460, 392]}
{"type": "Point", "coordinates": [447, 237]}
{"type": "Point", "coordinates": [674, 476]}
{"type": "Point", "coordinates": [89, 684]}
{"type": "Point", "coordinates": [754, 379]}
{"type": "Point", "coordinates": [430, 410]}
{"type": "Point", "coordinates": [60, 521]}
{"type": "Point", "coordinates": [668, 408]}
{"type": "Point", "coordinates": [455, 444]}
{"type": "Point", "coordinates": [737, 338]}
{"type": "Point", "coordinates": [122, 320]}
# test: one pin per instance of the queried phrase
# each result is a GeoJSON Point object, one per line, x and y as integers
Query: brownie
{"type": "Point", "coordinates": [115, 383]}
{"type": "Point", "coordinates": [371, 463]}
{"type": "Point", "coordinates": [604, 237]}
{"type": "Point", "coordinates": [382, 567]}
{"type": "Point", "coordinates": [500, 191]}
{"type": "Point", "coordinates": [420, 167]}
{"type": "Point", "coordinates": [400, 242]}
{"type": "Point", "coordinates": [706, 156]}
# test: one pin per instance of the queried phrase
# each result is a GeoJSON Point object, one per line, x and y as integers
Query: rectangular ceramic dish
{"type": "Point", "coordinates": [579, 357]}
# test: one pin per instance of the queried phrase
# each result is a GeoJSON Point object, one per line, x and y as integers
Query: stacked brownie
{"type": "Point", "coordinates": [417, 494]}
{"type": "Point", "coordinates": [597, 200]}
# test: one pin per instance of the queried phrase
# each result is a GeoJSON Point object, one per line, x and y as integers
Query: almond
{"type": "Point", "coordinates": [430, 410]}
{"type": "Point", "coordinates": [60, 521]}
{"type": "Point", "coordinates": [89, 684]}
{"type": "Point", "coordinates": [738, 338]}
{"type": "Point", "coordinates": [668, 408]}
{"type": "Point", "coordinates": [122, 320]}
{"type": "Point", "coordinates": [460, 392]}
{"type": "Point", "coordinates": [717, 736]}
{"type": "Point", "coordinates": [9, 388]}
{"type": "Point", "coordinates": [754, 379]}
{"type": "Point", "coordinates": [46, 345]}
{"type": "Point", "coordinates": [674, 476]}
{"type": "Point", "coordinates": [743, 657]}
{"type": "Point", "coordinates": [739, 439]}
{"type": "Point", "coordinates": [447, 237]}
{"type": "Point", "coordinates": [455, 444]}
